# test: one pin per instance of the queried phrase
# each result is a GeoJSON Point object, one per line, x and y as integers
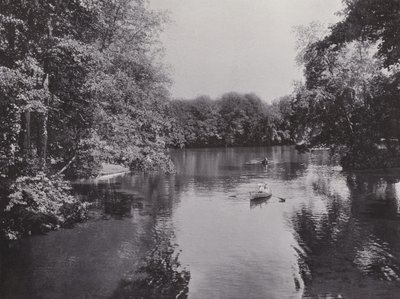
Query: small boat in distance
{"type": "Point", "coordinates": [264, 162]}
{"type": "Point", "coordinates": [264, 192]}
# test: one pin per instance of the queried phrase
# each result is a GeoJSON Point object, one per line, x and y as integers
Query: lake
{"type": "Point", "coordinates": [196, 233]}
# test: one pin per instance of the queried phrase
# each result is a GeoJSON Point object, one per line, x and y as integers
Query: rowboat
{"type": "Point", "coordinates": [264, 161]}
{"type": "Point", "coordinates": [260, 195]}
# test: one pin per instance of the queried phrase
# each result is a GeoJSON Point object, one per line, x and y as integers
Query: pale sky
{"type": "Point", "coordinates": [217, 46]}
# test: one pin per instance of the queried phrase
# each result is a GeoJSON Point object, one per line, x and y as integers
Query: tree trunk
{"type": "Point", "coordinates": [43, 129]}
{"type": "Point", "coordinates": [43, 150]}
{"type": "Point", "coordinates": [27, 139]}
{"type": "Point", "coordinates": [44, 134]}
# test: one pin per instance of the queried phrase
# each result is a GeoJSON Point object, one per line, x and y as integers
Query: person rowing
{"type": "Point", "coordinates": [265, 161]}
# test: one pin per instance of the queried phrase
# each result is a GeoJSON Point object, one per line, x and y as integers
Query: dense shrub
{"type": "Point", "coordinates": [39, 204]}
{"type": "Point", "coordinates": [370, 157]}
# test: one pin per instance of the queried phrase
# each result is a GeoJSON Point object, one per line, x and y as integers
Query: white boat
{"type": "Point", "coordinates": [264, 192]}
{"type": "Point", "coordinates": [260, 195]}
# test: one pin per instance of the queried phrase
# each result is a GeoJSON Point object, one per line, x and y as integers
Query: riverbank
{"type": "Point", "coordinates": [112, 170]}
{"type": "Point", "coordinates": [39, 204]}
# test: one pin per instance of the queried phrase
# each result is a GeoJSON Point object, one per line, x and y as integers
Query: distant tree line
{"type": "Point", "coordinates": [232, 120]}
{"type": "Point", "coordinates": [348, 101]}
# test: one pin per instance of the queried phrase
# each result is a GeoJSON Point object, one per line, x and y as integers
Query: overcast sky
{"type": "Point", "coordinates": [216, 46]}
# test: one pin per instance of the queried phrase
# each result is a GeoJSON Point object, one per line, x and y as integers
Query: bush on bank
{"type": "Point", "coordinates": [38, 204]}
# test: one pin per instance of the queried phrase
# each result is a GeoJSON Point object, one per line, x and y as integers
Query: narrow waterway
{"type": "Point", "coordinates": [196, 233]}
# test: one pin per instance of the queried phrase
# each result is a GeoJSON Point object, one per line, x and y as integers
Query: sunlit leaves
{"type": "Point", "coordinates": [81, 83]}
{"type": "Point", "coordinates": [349, 99]}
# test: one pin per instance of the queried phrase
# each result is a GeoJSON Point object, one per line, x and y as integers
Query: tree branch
{"type": "Point", "coordinates": [67, 165]}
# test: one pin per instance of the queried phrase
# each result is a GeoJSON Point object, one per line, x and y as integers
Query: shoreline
{"type": "Point", "coordinates": [112, 169]}
{"type": "Point", "coordinates": [111, 175]}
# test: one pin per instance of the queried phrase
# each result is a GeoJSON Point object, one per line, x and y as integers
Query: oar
{"type": "Point", "coordinates": [281, 198]}
{"type": "Point", "coordinates": [238, 194]}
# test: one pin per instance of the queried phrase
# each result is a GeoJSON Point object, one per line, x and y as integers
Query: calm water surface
{"type": "Point", "coordinates": [196, 233]}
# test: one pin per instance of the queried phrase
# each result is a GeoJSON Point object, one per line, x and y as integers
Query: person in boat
{"type": "Point", "coordinates": [264, 161]}
{"type": "Point", "coordinates": [264, 188]}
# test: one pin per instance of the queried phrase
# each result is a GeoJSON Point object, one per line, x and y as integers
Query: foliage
{"type": "Point", "coordinates": [280, 124]}
{"type": "Point", "coordinates": [81, 83]}
{"type": "Point", "coordinates": [349, 99]}
{"type": "Point", "coordinates": [78, 72]}
{"type": "Point", "coordinates": [373, 20]}
{"type": "Point", "coordinates": [232, 120]}
{"type": "Point", "coordinates": [38, 204]}
{"type": "Point", "coordinates": [196, 122]}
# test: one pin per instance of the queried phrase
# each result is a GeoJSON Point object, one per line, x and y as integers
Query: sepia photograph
{"type": "Point", "coordinates": [201, 149]}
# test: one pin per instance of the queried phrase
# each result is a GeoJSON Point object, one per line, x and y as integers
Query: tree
{"type": "Point", "coordinates": [372, 20]}
{"type": "Point", "coordinates": [348, 101]}
{"type": "Point", "coordinates": [81, 83]}
{"type": "Point", "coordinates": [130, 87]}
{"type": "Point", "coordinates": [232, 120]}
{"type": "Point", "coordinates": [197, 121]}
{"type": "Point", "coordinates": [36, 38]}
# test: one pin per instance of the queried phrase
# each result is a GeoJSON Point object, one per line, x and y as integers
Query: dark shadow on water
{"type": "Point", "coordinates": [158, 275]}
{"type": "Point", "coordinates": [130, 255]}
{"type": "Point", "coordinates": [351, 247]}
{"type": "Point", "coordinates": [344, 229]}
{"type": "Point", "coordinates": [258, 203]}
{"type": "Point", "coordinates": [107, 199]}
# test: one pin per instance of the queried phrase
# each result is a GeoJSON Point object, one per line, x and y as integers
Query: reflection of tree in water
{"type": "Point", "coordinates": [117, 197]}
{"type": "Point", "coordinates": [375, 205]}
{"type": "Point", "coordinates": [159, 275]}
{"type": "Point", "coordinates": [225, 168]}
{"type": "Point", "coordinates": [286, 171]}
{"type": "Point", "coordinates": [107, 198]}
{"type": "Point", "coordinates": [344, 247]}
{"type": "Point", "coordinates": [150, 199]}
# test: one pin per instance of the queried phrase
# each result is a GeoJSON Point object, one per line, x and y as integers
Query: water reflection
{"type": "Point", "coordinates": [129, 232]}
{"type": "Point", "coordinates": [197, 233]}
{"type": "Point", "coordinates": [348, 235]}
{"type": "Point", "coordinates": [159, 274]}
{"type": "Point", "coordinates": [254, 203]}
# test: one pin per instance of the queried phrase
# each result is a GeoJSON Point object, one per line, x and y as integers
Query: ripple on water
{"type": "Point", "coordinates": [336, 235]}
